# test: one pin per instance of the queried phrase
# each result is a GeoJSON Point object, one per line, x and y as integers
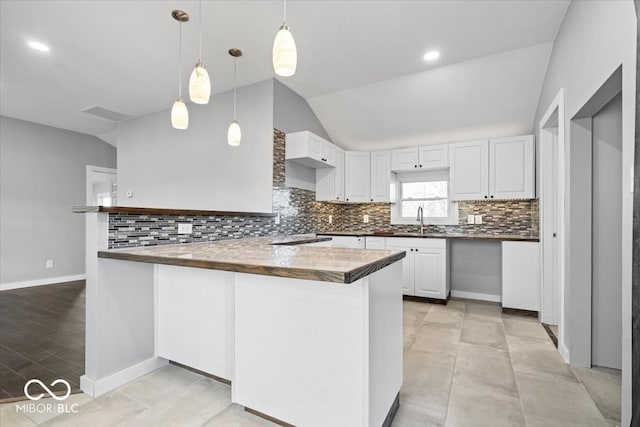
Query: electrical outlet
{"type": "Point", "coordinates": [470, 219]}
{"type": "Point", "coordinates": [129, 194]}
{"type": "Point", "coordinates": [48, 263]}
{"type": "Point", "coordinates": [185, 228]}
{"type": "Point", "coordinates": [478, 219]}
{"type": "Point", "coordinates": [330, 219]}
{"type": "Point", "coordinates": [278, 219]}
{"type": "Point", "coordinates": [365, 218]}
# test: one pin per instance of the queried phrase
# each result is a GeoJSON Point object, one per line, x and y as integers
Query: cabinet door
{"type": "Point", "coordinates": [357, 176]}
{"type": "Point", "coordinates": [329, 153]}
{"type": "Point", "coordinates": [404, 159]}
{"type": "Point", "coordinates": [521, 275]}
{"type": "Point", "coordinates": [511, 171]}
{"type": "Point", "coordinates": [407, 266]}
{"type": "Point", "coordinates": [469, 170]}
{"type": "Point", "coordinates": [330, 181]}
{"type": "Point", "coordinates": [381, 176]}
{"type": "Point", "coordinates": [430, 275]}
{"type": "Point", "coordinates": [433, 156]}
{"type": "Point", "coordinates": [315, 147]}
{"type": "Point", "coordinates": [339, 174]}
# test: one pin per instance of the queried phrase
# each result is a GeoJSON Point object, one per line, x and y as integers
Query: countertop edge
{"type": "Point", "coordinates": [164, 211]}
{"type": "Point", "coordinates": [288, 272]}
{"type": "Point", "coordinates": [497, 237]}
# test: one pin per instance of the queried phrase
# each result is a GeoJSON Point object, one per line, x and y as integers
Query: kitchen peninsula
{"type": "Point", "coordinates": [307, 335]}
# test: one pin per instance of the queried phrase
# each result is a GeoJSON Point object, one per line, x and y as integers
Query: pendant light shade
{"type": "Point", "coordinates": [179, 115]}
{"type": "Point", "coordinates": [285, 55]}
{"type": "Point", "coordinates": [199, 83]}
{"type": "Point", "coordinates": [179, 112]}
{"type": "Point", "coordinates": [234, 134]}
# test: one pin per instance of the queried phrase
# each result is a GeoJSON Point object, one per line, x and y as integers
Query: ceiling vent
{"type": "Point", "coordinates": [103, 113]}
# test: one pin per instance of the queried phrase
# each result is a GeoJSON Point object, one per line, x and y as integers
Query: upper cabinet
{"type": "Point", "coordinates": [416, 158]}
{"type": "Point", "coordinates": [357, 179]}
{"type": "Point", "coordinates": [511, 167]}
{"type": "Point", "coordinates": [330, 181]}
{"type": "Point", "coordinates": [500, 168]}
{"type": "Point", "coordinates": [310, 150]}
{"type": "Point", "coordinates": [380, 176]}
{"type": "Point", "coordinates": [469, 170]}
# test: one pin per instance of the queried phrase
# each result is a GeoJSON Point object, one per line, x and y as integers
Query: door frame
{"type": "Point", "coordinates": [553, 277]}
{"type": "Point", "coordinates": [91, 171]}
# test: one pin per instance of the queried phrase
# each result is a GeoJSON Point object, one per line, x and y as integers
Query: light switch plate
{"type": "Point", "coordinates": [470, 219]}
{"type": "Point", "coordinates": [478, 219]}
{"type": "Point", "coordinates": [330, 219]}
{"type": "Point", "coordinates": [185, 228]}
{"type": "Point", "coordinates": [365, 218]}
{"type": "Point", "coordinates": [277, 219]}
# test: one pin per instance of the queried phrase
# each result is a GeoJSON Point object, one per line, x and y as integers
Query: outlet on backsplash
{"type": "Point", "coordinates": [365, 219]}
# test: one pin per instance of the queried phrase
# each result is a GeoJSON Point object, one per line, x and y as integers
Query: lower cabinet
{"type": "Point", "coordinates": [425, 269]}
{"type": "Point", "coordinates": [521, 275]}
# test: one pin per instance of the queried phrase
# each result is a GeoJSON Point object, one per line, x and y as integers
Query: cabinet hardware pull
{"type": "Point", "coordinates": [415, 166]}
{"type": "Point", "coordinates": [420, 165]}
{"type": "Point", "coordinates": [492, 197]}
{"type": "Point", "coordinates": [485, 197]}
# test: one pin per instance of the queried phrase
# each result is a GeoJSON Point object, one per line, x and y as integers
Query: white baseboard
{"type": "Point", "coordinates": [40, 282]}
{"type": "Point", "coordinates": [95, 388]}
{"type": "Point", "coordinates": [564, 352]}
{"type": "Point", "coordinates": [475, 295]}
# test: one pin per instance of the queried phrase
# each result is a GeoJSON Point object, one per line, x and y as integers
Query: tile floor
{"type": "Point", "coordinates": [41, 336]}
{"type": "Point", "coordinates": [465, 364]}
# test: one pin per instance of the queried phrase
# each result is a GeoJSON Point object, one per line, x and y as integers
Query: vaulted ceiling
{"type": "Point", "coordinates": [360, 63]}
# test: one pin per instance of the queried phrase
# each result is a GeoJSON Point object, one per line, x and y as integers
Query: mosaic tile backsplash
{"type": "Point", "coordinates": [300, 213]}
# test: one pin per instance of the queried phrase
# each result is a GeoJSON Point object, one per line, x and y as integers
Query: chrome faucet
{"type": "Point", "coordinates": [421, 219]}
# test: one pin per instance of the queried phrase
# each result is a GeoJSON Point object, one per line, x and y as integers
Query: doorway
{"type": "Point", "coordinates": [552, 230]}
{"type": "Point", "coordinates": [102, 187]}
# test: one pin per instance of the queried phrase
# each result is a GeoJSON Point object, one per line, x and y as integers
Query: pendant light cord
{"type": "Point", "coordinates": [284, 14]}
{"type": "Point", "coordinates": [235, 85]}
{"type": "Point", "coordinates": [180, 64]}
{"type": "Point", "coordinates": [200, 25]}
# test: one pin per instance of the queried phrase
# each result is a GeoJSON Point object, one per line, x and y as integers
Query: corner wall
{"type": "Point", "coordinates": [42, 174]}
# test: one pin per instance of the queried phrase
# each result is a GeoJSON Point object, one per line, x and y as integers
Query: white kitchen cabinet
{"type": "Point", "coordinates": [425, 269]}
{"type": "Point", "coordinates": [469, 179]}
{"type": "Point", "coordinates": [511, 167]}
{"type": "Point", "coordinates": [433, 156]}
{"type": "Point", "coordinates": [380, 176]}
{"type": "Point", "coordinates": [323, 244]}
{"type": "Point", "coordinates": [500, 168]}
{"type": "Point", "coordinates": [521, 275]}
{"type": "Point", "coordinates": [416, 158]}
{"type": "Point", "coordinates": [357, 181]}
{"type": "Point", "coordinates": [374, 242]}
{"type": "Point", "coordinates": [330, 181]}
{"type": "Point", "coordinates": [405, 159]}
{"type": "Point", "coordinates": [349, 242]}
{"type": "Point", "coordinates": [310, 150]}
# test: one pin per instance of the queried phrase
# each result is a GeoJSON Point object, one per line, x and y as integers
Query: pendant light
{"type": "Point", "coordinates": [285, 56]}
{"type": "Point", "coordinates": [234, 134]}
{"type": "Point", "coordinates": [199, 83]}
{"type": "Point", "coordinates": [179, 112]}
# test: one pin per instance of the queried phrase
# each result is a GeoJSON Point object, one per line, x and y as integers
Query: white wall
{"type": "Point", "coordinates": [196, 168]}
{"type": "Point", "coordinates": [42, 175]}
{"type": "Point", "coordinates": [594, 40]}
{"type": "Point", "coordinates": [606, 341]}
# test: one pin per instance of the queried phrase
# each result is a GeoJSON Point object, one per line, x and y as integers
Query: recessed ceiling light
{"type": "Point", "coordinates": [431, 55]}
{"type": "Point", "coordinates": [39, 46]}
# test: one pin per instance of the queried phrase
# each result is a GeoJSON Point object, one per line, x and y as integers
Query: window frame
{"type": "Point", "coordinates": [423, 176]}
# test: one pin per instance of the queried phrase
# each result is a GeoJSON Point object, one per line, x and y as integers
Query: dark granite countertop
{"type": "Point", "coordinates": [270, 256]}
{"type": "Point", "coordinates": [493, 237]}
